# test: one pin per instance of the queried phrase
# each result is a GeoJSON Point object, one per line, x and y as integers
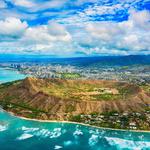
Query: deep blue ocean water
{"type": "Point", "coordinates": [19, 134]}
{"type": "Point", "coordinates": [78, 61]}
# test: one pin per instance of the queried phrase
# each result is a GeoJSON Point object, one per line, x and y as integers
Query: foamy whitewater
{"type": "Point", "coordinates": [20, 134]}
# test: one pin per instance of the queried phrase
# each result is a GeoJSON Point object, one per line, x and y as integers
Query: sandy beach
{"type": "Point", "coordinates": [78, 123]}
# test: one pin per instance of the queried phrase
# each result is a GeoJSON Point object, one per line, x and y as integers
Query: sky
{"type": "Point", "coordinates": [75, 27]}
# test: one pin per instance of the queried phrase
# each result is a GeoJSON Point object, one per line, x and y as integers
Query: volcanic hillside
{"type": "Point", "coordinates": [58, 98]}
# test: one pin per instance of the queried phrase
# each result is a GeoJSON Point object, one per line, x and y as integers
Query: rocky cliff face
{"type": "Point", "coordinates": [55, 98]}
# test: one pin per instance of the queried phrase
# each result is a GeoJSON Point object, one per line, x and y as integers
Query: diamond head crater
{"type": "Point", "coordinates": [102, 103]}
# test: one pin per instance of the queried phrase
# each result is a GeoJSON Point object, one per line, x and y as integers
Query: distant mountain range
{"type": "Point", "coordinates": [79, 61]}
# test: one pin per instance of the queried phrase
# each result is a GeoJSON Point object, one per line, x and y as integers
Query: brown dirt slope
{"type": "Point", "coordinates": [57, 98]}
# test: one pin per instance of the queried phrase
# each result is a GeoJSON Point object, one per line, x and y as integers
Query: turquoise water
{"type": "Point", "coordinates": [7, 75]}
{"type": "Point", "coordinates": [19, 134]}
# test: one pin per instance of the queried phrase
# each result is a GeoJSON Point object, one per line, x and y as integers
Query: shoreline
{"type": "Point", "coordinates": [77, 123]}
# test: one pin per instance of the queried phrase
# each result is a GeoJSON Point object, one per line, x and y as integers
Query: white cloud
{"type": "Point", "coordinates": [105, 37]}
{"type": "Point", "coordinates": [59, 31]}
{"type": "Point", "coordinates": [24, 3]}
{"type": "Point", "coordinates": [12, 27]}
{"type": "Point", "coordinates": [104, 30]}
{"type": "Point", "coordinates": [46, 34]}
{"type": "Point", "coordinates": [48, 38]}
{"type": "Point", "coordinates": [3, 4]}
{"type": "Point", "coordinates": [33, 6]}
{"type": "Point", "coordinates": [101, 10]}
{"type": "Point", "coordinates": [80, 2]}
{"type": "Point", "coordinates": [131, 35]}
{"type": "Point", "coordinates": [140, 19]}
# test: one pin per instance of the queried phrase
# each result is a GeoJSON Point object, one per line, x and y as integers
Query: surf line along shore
{"type": "Point", "coordinates": [76, 123]}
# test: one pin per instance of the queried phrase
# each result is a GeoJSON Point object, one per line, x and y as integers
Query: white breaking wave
{"type": "Point", "coordinates": [55, 133]}
{"type": "Point", "coordinates": [36, 131]}
{"type": "Point", "coordinates": [28, 130]}
{"type": "Point", "coordinates": [129, 144]}
{"type": "Point", "coordinates": [97, 132]}
{"type": "Point", "coordinates": [25, 136]}
{"type": "Point", "coordinates": [58, 147]}
{"type": "Point", "coordinates": [43, 132]}
{"type": "Point", "coordinates": [78, 132]}
{"type": "Point", "coordinates": [93, 140]}
{"type": "Point", "coordinates": [3, 128]}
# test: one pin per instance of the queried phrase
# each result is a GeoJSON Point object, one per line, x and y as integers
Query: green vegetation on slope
{"type": "Point", "coordinates": [82, 90]}
{"type": "Point", "coordinates": [146, 87]}
{"type": "Point", "coordinates": [69, 75]}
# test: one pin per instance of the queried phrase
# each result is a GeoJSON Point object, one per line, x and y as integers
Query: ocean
{"type": "Point", "coordinates": [7, 75]}
{"type": "Point", "coordinates": [20, 134]}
